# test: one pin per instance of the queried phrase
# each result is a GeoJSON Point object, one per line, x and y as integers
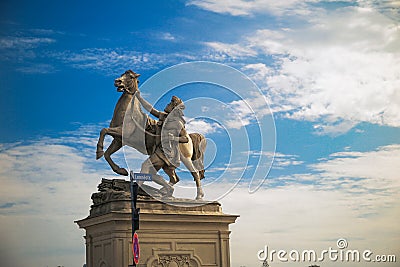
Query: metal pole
{"type": "Point", "coordinates": [135, 212]}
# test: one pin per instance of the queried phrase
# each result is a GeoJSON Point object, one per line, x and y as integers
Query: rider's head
{"type": "Point", "coordinates": [176, 103]}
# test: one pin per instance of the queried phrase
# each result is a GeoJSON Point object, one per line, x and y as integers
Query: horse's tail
{"type": "Point", "coordinates": [199, 148]}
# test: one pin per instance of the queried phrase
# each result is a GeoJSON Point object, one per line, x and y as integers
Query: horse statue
{"type": "Point", "coordinates": [131, 126]}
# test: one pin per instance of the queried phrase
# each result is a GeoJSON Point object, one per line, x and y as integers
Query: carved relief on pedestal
{"type": "Point", "coordinates": [174, 260]}
{"type": "Point", "coordinates": [179, 260]}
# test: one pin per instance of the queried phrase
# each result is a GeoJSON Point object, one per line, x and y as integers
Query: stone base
{"type": "Point", "coordinates": [182, 233]}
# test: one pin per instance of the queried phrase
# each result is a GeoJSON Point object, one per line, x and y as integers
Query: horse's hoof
{"type": "Point", "coordinates": [122, 171]}
{"type": "Point", "coordinates": [167, 191]}
{"type": "Point", "coordinates": [99, 154]}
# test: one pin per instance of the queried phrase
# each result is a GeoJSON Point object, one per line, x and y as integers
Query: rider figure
{"type": "Point", "coordinates": [170, 131]}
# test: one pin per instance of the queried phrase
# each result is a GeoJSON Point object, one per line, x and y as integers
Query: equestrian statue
{"type": "Point", "coordinates": [165, 141]}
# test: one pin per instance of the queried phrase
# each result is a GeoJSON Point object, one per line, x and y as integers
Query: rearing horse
{"type": "Point", "coordinates": [128, 127]}
{"type": "Point", "coordinates": [128, 84]}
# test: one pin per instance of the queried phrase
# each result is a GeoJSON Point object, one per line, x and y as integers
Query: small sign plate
{"type": "Point", "coordinates": [145, 177]}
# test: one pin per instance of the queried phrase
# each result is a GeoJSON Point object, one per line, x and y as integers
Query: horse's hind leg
{"type": "Point", "coordinates": [173, 177]}
{"type": "Point", "coordinates": [188, 163]}
{"type": "Point", "coordinates": [114, 146]}
{"type": "Point", "coordinates": [152, 165]}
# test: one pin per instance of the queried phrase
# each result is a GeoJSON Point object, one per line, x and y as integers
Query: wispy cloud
{"type": "Point", "coordinates": [37, 69]}
{"type": "Point", "coordinates": [114, 60]}
{"type": "Point", "coordinates": [234, 51]}
{"type": "Point", "coordinates": [167, 36]}
{"type": "Point", "coordinates": [280, 160]}
{"type": "Point", "coordinates": [339, 69]}
{"type": "Point", "coordinates": [24, 42]}
{"type": "Point", "coordinates": [42, 32]}
{"type": "Point", "coordinates": [299, 8]}
{"type": "Point", "coordinates": [25, 50]}
{"type": "Point", "coordinates": [249, 8]}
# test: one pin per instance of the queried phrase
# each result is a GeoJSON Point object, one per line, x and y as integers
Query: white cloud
{"type": "Point", "coordinates": [369, 179]}
{"type": "Point", "coordinates": [352, 195]}
{"type": "Point", "coordinates": [167, 36]}
{"type": "Point", "coordinates": [201, 126]}
{"type": "Point", "coordinates": [45, 185]}
{"type": "Point", "coordinates": [390, 8]}
{"type": "Point", "coordinates": [282, 161]}
{"type": "Point", "coordinates": [45, 188]}
{"type": "Point", "coordinates": [230, 50]}
{"type": "Point", "coordinates": [246, 111]}
{"type": "Point", "coordinates": [299, 217]}
{"type": "Point", "coordinates": [340, 69]}
{"type": "Point", "coordinates": [378, 170]}
{"type": "Point", "coordinates": [249, 8]}
{"type": "Point", "coordinates": [300, 8]}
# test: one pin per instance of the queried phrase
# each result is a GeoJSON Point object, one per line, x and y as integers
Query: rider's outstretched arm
{"type": "Point", "coordinates": [148, 106]}
{"type": "Point", "coordinates": [182, 138]}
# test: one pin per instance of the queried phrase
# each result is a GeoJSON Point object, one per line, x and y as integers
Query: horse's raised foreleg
{"type": "Point", "coordinates": [100, 143]}
{"type": "Point", "coordinates": [189, 164]}
{"type": "Point", "coordinates": [115, 132]}
{"type": "Point", "coordinates": [115, 145]}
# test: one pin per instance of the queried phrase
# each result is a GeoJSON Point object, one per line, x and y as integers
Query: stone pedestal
{"type": "Point", "coordinates": [182, 233]}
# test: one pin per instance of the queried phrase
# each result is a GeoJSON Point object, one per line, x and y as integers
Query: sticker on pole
{"type": "Point", "coordinates": [135, 248]}
{"type": "Point", "coordinates": [145, 177]}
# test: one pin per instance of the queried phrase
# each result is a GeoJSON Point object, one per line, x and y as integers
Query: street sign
{"type": "Point", "coordinates": [135, 248]}
{"type": "Point", "coordinates": [145, 177]}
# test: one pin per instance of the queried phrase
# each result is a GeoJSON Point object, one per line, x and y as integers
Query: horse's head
{"type": "Point", "coordinates": [127, 82]}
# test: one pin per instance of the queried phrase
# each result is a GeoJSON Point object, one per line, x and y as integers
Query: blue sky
{"type": "Point", "coordinates": [329, 71]}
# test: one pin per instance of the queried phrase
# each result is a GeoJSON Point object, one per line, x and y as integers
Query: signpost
{"type": "Point", "coordinates": [135, 213]}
